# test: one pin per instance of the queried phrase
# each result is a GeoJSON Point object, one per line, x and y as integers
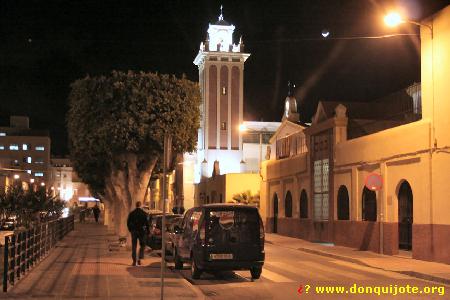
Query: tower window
{"type": "Point", "coordinates": [224, 90]}
{"type": "Point", "coordinates": [223, 126]}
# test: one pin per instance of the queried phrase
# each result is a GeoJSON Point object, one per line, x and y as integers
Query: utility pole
{"type": "Point", "coordinates": [166, 162]}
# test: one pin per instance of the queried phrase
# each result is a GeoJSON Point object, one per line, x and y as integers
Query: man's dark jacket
{"type": "Point", "coordinates": [137, 221]}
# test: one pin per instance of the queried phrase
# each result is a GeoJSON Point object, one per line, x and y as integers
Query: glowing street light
{"type": "Point", "coordinates": [393, 19]}
{"type": "Point", "coordinates": [42, 183]}
{"type": "Point", "coordinates": [16, 176]}
{"type": "Point", "coordinates": [242, 128]}
{"type": "Point", "coordinates": [32, 180]}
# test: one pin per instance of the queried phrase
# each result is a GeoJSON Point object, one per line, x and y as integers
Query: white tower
{"type": "Point", "coordinates": [221, 76]}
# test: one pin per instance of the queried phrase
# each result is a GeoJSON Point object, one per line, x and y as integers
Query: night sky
{"type": "Point", "coordinates": [46, 45]}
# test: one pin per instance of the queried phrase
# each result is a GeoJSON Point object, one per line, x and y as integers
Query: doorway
{"type": "Point", "coordinates": [405, 216]}
{"type": "Point", "coordinates": [275, 213]}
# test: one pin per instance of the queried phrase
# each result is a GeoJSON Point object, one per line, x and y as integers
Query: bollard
{"type": "Point", "coordinates": [5, 265]}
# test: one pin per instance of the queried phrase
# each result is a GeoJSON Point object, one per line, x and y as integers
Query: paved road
{"type": "Point", "coordinates": [286, 270]}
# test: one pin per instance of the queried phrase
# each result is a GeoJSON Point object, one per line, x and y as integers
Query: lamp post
{"type": "Point", "coordinates": [243, 128]}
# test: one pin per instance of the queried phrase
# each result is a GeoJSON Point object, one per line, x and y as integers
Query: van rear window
{"type": "Point", "coordinates": [242, 225]}
{"type": "Point", "coordinates": [224, 218]}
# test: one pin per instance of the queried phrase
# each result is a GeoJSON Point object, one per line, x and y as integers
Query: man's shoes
{"type": "Point", "coordinates": [139, 262]}
{"type": "Point", "coordinates": [133, 264]}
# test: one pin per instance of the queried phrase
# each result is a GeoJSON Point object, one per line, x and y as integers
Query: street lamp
{"type": "Point", "coordinates": [394, 19]}
{"type": "Point", "coordinates": [243, 128]}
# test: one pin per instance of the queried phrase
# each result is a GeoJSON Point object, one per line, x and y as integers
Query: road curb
{"type": "Point", "coordinates": [189, 283]}
{"type": "Point", "coordinates": [359, 262]}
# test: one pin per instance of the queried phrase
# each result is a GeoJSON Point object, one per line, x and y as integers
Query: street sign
{"type": "Point", "coordinates": [374, 182]}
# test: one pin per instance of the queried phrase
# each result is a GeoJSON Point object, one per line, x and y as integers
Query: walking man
{"type": "Point", "coordinates": [138, 227]}
{"type": "Point", "coordinates": [96, 211]}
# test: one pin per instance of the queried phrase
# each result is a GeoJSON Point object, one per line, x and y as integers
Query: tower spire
{"type": "Point", "coordinates": [221, 13]}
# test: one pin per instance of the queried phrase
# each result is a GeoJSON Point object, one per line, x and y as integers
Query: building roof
{"type": "Point", "coordinates": [11, 131]}
{"type": "Point", "coordinates": [390, 107]}
{"type": "Point", "coordinates": [262, 126]}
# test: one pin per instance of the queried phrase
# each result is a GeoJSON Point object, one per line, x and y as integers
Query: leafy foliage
{"type": "Point", "coordinates": [129, 113]}
{"type": "Point", "coordinates": [246, 197]}
{"type": "Point", "coordinates": [29, 206]}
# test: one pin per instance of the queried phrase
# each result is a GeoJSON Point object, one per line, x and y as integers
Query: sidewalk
{"type": "Point", "coordinates": [83, 267]}
{"type": "Point", "coordinates": [432, 271]}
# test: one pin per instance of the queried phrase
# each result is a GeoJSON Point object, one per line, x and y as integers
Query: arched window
{"type": "Point", "coordinates": [303, 205]}
{"type": "Point", "coordinates": [369, 205]}
{"type": "Point", "coordinates": [343, 210]}
{"type": "Point", "coordinates": [288, 205]}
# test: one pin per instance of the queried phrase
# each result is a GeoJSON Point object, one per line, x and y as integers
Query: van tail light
{"type": "Point", "coordinates": [202, 233]}
{"type": "Point", "coordinates": [261, 234]}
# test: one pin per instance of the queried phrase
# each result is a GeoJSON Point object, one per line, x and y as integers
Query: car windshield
{"type": "Point", "coordinates": [242, 225]}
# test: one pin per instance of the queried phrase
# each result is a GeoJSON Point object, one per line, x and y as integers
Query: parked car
{"type": "Point", "coordinates": [155, 236]}
{"type": "Point", "coordinates": [217, 237]}
{"type": "Point", "coordinates": [8, 223]}
{"type": "Point", "coordinates": [171, 236]}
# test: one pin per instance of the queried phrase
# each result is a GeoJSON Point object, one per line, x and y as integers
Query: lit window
{"type": "Point", "coordinates": [40, 148]}
{"type": "Point", "coordinates": [2, 147]}
{"type": "Point", "coordinates": [29, 159]}
{"type": "Point", "coordinates": [224, 90]}
{"type": "Point", "coordinates": [25, 146]}
{"type": "Point", "coordinates": [223, 126]}
{"type": "Point", "coordinates": [39, 161]}
{"type": "Point", "coordinates": [13, 147]}
{"type": "Point", "coordinates": [2, 134]}
{"type": "Point", "coordinates": [29, 171]}
{"type": "Point", "coordinates": [39, 174]}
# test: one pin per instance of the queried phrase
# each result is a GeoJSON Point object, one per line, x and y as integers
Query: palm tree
{"type": "Point", "coordinates": [246, 197]}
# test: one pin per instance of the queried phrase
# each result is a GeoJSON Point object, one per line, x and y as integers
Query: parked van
{"type": "Point", "coordinates": [217, 237]}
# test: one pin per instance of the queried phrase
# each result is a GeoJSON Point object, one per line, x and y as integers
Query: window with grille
{"type": "Point", "coordinates": [321, 189]}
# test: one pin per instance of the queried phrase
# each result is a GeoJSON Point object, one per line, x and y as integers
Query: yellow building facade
{"type": "Point", "coordinates": [322, 194]}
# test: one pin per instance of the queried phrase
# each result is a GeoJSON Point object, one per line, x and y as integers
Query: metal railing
{"type": "Point", "coordinates": [23, 250]}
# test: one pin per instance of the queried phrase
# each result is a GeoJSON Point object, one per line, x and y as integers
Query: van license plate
{"type": "Point", "coordinates": [221, 256]}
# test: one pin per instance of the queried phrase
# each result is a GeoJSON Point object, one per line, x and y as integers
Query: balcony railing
{"type": "Point", "coordinates": [291, 145]}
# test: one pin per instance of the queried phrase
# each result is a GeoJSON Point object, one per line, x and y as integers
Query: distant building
{"type": "Point", "coordinates": [65, 183]}
{"type": "Point", "coordinates": [24, 152]}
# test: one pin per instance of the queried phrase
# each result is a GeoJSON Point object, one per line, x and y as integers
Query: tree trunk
{"type": "Point", "coordinates": [126, 185]}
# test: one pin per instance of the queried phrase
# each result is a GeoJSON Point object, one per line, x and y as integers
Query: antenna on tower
{"type": "Point", "coordinates": [221, 13]}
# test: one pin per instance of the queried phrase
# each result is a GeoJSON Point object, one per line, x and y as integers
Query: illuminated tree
{"type": "Point", "coordinates": [116, 127]}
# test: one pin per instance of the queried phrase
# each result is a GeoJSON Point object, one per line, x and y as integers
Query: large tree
{"type": "Point", "coordinates": [116, 128]}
